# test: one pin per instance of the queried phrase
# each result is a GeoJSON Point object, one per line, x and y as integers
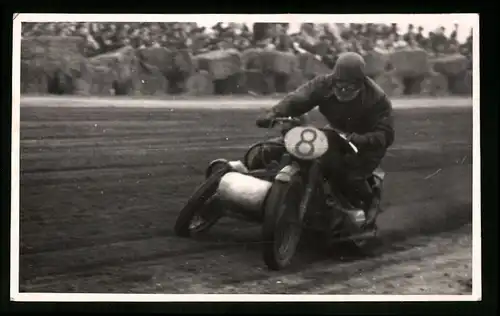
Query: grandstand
{"type": "Point", "coordinates": [232, 58]}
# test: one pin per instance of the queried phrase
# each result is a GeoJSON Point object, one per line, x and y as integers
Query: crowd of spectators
{"type": "Point", "coordinates": [323, 40]}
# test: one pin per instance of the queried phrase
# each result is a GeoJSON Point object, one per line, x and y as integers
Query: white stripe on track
{"type": "Point", "coordinates": [213, 103]}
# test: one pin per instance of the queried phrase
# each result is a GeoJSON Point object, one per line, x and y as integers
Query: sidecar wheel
{"type": "Point", "coordinates": [196, 205]}
{"type": "Point", "coordinates": [281, 229]}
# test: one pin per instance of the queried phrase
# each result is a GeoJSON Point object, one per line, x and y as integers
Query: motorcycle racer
{"type": "Point", "coordinates": [353, 103]}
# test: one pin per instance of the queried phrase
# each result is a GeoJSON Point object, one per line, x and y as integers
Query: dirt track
{"type": "Point", "coordinates": [101, 187]}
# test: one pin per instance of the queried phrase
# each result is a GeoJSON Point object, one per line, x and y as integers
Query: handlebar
{"type": "Point", "coordinates": [293, 120]}
{"type": "Point", "coordinates": [344, 137]}
{"type": "Point", "coordinates": [271, 122]}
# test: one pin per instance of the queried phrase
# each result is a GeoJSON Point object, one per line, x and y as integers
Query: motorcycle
{"type": "Point", "coordinates": [286, 196]}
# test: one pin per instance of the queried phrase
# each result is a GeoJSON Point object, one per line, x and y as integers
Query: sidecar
{"type": "Point", "coordinates": [234, 189]}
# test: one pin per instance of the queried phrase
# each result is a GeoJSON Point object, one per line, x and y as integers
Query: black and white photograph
{"type": "Point", "coordinates": [245, 157]}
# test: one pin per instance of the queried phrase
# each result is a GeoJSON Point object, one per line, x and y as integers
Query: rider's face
{"type": "Point", "coordinates": [346, 91]}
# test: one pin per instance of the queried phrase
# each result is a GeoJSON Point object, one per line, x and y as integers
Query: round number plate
{"type": "Point", "coordinates": [306, 142]}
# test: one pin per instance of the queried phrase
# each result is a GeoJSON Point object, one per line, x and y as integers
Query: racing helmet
{"type": "Point", "coordinates": [348, 76]}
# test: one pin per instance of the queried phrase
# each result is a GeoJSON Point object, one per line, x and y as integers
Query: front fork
{"type": "Point", "coordinates": [311, 182]}
{"type": "Point", "coordinates": [310, 175]}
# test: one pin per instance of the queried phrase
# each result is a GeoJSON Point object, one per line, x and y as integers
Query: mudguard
{"type": "Point", "coordinates": [287, 172]}
{"type": "Point", "coordinates": [237, 166]}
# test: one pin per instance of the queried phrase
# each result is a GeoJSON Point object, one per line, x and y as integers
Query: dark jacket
{"type": "Point", "coordinates": [369, 114]}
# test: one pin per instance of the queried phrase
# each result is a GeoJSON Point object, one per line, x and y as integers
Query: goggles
{"type": "Point", "coordinates": [346, 91]}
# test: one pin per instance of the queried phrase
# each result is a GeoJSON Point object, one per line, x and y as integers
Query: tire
{"type": "Point", "coordinates": [281, 217]}
{"type": "Point", "coordinates": [198, 202]}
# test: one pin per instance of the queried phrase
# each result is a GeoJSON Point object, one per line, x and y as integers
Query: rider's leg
{"type": "Point", "coordinates": [359, 188]}
{"type": "Point", "coordinates": [334, 164]}
{"type": "Point", "coordinates": [348, 174]}
{"type": "Point", "coordinates": [361, 167]}
{"type": "Point", "coordinates": [334, 167]}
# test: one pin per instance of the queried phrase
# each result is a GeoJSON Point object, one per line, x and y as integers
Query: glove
{"type": "Point", "coordinates": [266, 121]}
{"type": "Point", "coordinates": [358, 140]}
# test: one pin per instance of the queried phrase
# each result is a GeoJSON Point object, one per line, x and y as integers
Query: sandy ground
{"type": "Point", "coordinates": [101, 188]}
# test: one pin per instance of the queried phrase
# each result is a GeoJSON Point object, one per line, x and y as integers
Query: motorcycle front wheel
{"type": "Point", "coordinates": [199, 214]}
{"type": "Point", "coordinates": [281, 229]}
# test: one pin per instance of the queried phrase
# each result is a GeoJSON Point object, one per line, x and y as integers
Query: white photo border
{"type": "Point", "coordinates": [15, 295]}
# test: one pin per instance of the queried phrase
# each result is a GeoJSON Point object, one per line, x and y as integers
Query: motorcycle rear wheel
{"type": "Point", "coordinates": [196, 205]}
{"type": "Point", "coordinates": [281, 229]}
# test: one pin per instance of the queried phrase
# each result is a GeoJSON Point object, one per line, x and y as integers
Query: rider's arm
{"type": "Point", "coordinates": [382, 132]}
{"type": "Point", "coordinates": [302, 100]}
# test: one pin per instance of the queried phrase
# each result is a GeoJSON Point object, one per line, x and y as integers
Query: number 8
{"type": "Point", "coordinates": [309, 141]}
